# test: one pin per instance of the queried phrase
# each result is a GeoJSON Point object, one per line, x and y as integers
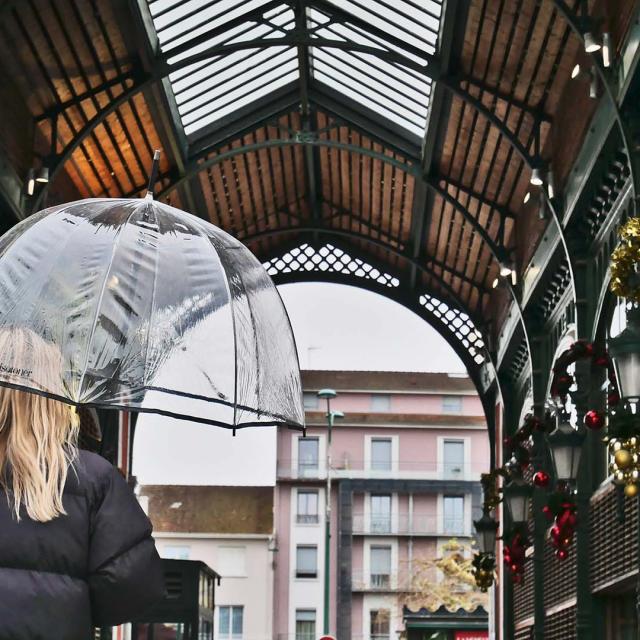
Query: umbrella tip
{"type": "Point", "coordinates": [153, 175]}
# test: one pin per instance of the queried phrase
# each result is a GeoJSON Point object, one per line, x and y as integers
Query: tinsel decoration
{"type": "Point", "coordinates": [625, 282]}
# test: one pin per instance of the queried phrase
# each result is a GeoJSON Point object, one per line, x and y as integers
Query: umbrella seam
{"type": "Point", "coordinates": [100, 297]}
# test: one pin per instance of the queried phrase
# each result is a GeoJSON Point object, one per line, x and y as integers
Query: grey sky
{"type": "Point", "coordinates": [336, 327]}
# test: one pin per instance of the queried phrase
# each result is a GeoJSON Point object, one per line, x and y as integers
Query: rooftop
{"type": "Point", "coordinates": [205, 509]}
{"type": "Point", "coordinates": [401, 381]}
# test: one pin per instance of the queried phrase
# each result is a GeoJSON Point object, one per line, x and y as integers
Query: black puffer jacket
{"type": "Point", "coordinates": [96, 566]}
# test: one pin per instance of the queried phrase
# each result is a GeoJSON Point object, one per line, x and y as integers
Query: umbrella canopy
{"type": "Point", "coordinates": [145, 308]}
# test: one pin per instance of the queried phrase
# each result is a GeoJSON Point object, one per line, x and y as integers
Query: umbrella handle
{"type": "Point", "coordinates": [154, 173]}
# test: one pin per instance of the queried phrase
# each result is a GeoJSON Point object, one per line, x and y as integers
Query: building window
{"type": "Point", "coordinates": [306, 561]}
{"type": "Point", "coordinates": [453, 454]}
{"type": "Point", "coordinates": [379, 627]}
{"type": "Point", "coordinates": [176, 552]}
{"type": "Point", "coordinates": [230, 622]}
{"type": "Point", "coordinates": [231, 561]}
{"type": "Point", "coordinates": [381, 454]}
{"type": "Point", "coordinates": [380, 514]}
{"type": "Point", "coordinates": [308, 455]}
{"type": "Point", "coordinates": [305, 624]}
{"type": "Point", "coordinates": [310, 400]}
{"type": "Point", "coordinates": [380, 402]}
{"type": "Point", "coordinates": [453, 515]}
{"type": "Point", "coordinates": [452, 404]}
{"type": "Point", "coordinates": [307, 507]}
{"type": "Point", "coordinates": [380, 567]}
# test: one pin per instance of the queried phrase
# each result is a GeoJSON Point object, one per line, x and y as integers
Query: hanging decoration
{"type": "Point", "coordinates": [484, 567]}
{"type": "Point", "coordinates": [561, 508]}
{"type": "Point", "coordinates": [624, 454]}
{"type": "Point", "coordinates": [516, 541]}
{"type": "Point", "coordinates": [625, 282]}
{"type": "Point", "coordinates": [562, 380]}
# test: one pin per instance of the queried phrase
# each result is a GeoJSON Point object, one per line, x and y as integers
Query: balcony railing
{"type": "Point", "coordinates": [403, 524]}
{"type": "Point", "coordinates": [394, 581]}
{"type": "Point", "coordinates": [345, 467]}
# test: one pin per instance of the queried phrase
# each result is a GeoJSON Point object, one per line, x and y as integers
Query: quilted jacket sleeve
{"type": "Point", "coordinates": [125, 572]}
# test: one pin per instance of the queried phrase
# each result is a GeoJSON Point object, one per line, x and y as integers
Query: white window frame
{"type": "Point", "coordinates": [395, 453]}
{"type": "Point", "coordinates": [380, 396]}
{"type": "Point", "coordinates": [216, 620]}
{"type": "Point", "coordinates": [466, 472]}
{"type": "Point", "coordinates": [322, 455]}
{"type": "Point", "coordinates": [295, 571]}
{"type": "Point", "coordinates": [318, 512]}
{"type": "Point", "coordinates": [366, 559]}
{"type": "Point", "coordinates": [243, 572]}
{"type": "Point", "coordinates": [466, 515]}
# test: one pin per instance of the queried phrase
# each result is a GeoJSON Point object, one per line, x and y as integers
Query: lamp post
{"type": "Point", "coordinates": [484, 562]}
{"type": "Point", "coordinates": [517, 495]}
{"type": "Point", "coordinates": [565, 444]}
{"type": "Point", "coordinates": [328, 395]}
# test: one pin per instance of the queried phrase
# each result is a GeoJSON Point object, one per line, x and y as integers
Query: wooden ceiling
{"type": "Point", "coordinates": [433, 211]}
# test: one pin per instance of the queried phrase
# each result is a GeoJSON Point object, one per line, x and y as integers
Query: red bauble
{"type": "Point", "coordinates": [541, 479]}
{"type": "Point", "coordinates": [562, 554]}
{"type": "Point", "coordinates": [547, 511]}
{"type": "Point", "coordinates": [514, 568]}
{"type": "Point", "coordinates": [555, 532]}
{"type": "Point", "coordinates": [593, 420]}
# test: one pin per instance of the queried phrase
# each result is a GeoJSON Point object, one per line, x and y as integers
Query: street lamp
{"type": "Point", "coordinates": [332, 416]}
{"type": "Point", "coordinates": [565, 444]}
{"type": "Point", "coordinates": [484, 562]}
{"type": "Point", "coordinates": [625, 354]}
{"type": "Point", "coordinates": [487, 529]}
{"type": "Point", "coordinates": [518, 497]}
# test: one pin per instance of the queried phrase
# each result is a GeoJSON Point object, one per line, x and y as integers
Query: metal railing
{"type": "Point", "coordinates": [344, 466]}
{"type": "Point", "coordinates": [405, 524]}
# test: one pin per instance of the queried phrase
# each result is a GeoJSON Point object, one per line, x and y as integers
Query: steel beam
{"type": "Point", "coordinates": [580, 24]}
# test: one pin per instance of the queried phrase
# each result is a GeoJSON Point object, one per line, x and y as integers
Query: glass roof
{"type": "Point", "coordinates": [209, 90]}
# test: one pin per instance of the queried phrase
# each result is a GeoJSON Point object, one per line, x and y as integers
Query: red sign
{"type": "Point", "coordinates": [471, 635]}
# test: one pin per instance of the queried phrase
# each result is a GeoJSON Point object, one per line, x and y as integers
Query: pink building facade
{"type": "Point", "coordinates": [405, 468]}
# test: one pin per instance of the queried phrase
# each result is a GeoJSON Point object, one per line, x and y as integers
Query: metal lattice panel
{"type": "Point", "coordinates": [561, 625]}
{"type": "Point", "coordinates": [327, 259]}
{"type": "Point", "coordinates": [458, 323]}
{"type": "Point", "coordinates": [559, 575]}
{"type": "Point", "coordinates": [614, 543]}
{"type": "Point", "coordinates": [523, 594]}
{"type": "Point", "coordinates": [523, 634]}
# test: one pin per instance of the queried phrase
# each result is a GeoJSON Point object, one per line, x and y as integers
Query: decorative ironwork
{"type": "Point", "coordinates": [327, 259]}
{"type": "Point", "coordinates": [459, 323]}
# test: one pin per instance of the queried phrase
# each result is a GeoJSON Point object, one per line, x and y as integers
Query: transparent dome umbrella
{"type": "Point", "coordinates": [145, 308]}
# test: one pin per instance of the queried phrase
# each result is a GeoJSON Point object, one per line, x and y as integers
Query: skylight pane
{"type": "Point", "coordinates": [232, 77]}
{"type": "Point", "coordinates": [228, 76]}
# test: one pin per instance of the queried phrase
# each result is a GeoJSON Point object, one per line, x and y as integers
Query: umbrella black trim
{"type": "Point", "coordinates": [278, 421]}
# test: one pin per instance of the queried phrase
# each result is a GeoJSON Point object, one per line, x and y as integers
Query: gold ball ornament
{"type": "Point", "coordinates": [615, 445]}
{"type": "Point", "coordinates": [623, 459]}
{"type": "Point", "coordinates": [631, 490]}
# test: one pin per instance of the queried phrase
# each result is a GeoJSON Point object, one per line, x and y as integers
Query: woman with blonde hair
{"type": "Point", "coordinates": [75, 547]}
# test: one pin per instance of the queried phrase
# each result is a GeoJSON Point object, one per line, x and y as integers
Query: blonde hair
{"type": "Point", "coordinates": [38, 435]}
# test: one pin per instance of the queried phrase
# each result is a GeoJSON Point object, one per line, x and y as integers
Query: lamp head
{"type": "Point", "coordinates": [327, 394]}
